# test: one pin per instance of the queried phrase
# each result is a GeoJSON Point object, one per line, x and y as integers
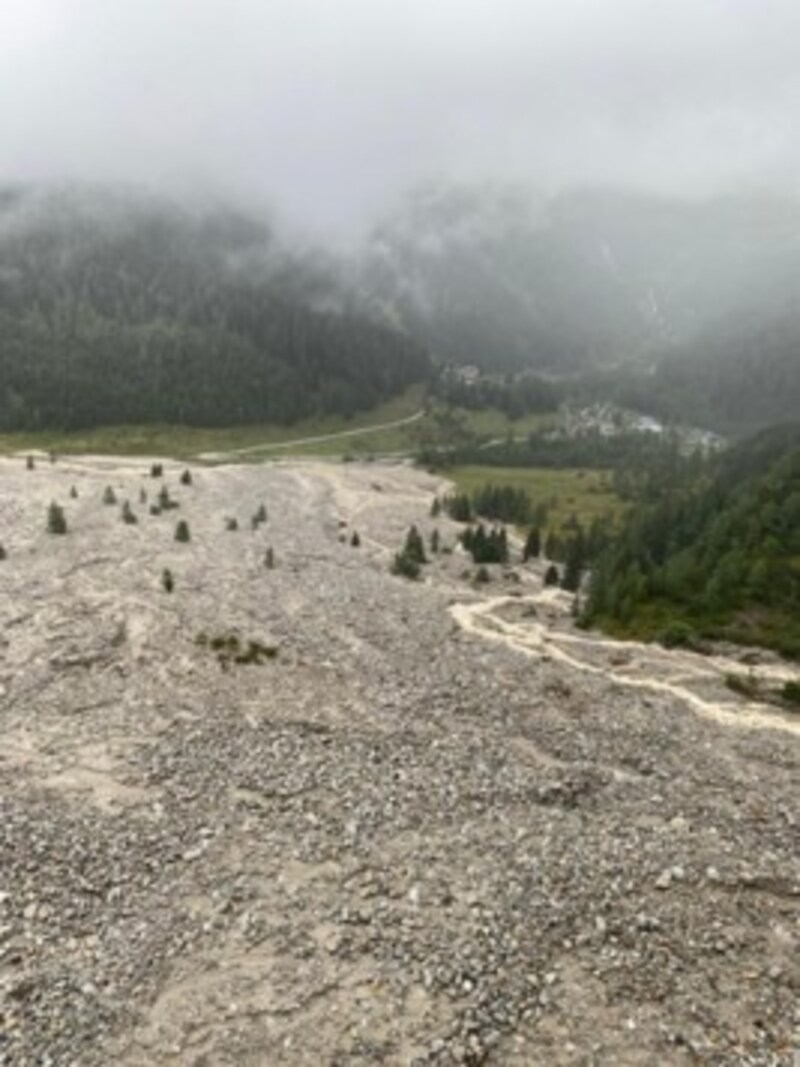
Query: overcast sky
{"type": "Point", "coordinates": [328, 108]}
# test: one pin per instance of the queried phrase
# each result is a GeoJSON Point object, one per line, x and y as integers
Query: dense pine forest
{"type": "Point", "coordinates": [719, 560]}
{"type": "Point", "coordinates": [128, 309]}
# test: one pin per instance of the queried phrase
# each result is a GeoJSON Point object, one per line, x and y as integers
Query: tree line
{"type": "Point", "coordinates": [138, 312]}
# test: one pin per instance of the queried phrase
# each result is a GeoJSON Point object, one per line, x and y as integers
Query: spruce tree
{"type": "Point", "coordinates": [405, 566]}
{"type": "Point", "coordinates": [436, 507]}
{"type": "Point", "coordinates": [414, 547]}
{"type": "Point", "coordinates": [56, 520]}
{"type": "Point", "coordinates": [533, 545]}
{"type": "Point", "coordinates": [109, 496]}
{"type": "Point", "coordinates": [3, 554]}
{"type": "Point", "coordinates": [551, 575]}
{"type": "Point", "coordinates": [269, 559]}
{"type": "Point", "coordinates": [355, 540]}
{"type": "Point", "coordinates": [182, 532]}
{"type": "Point", "coordinates": [435, 541]}
{"type": "Point", "coordinates": [128, 517]}
{"type": "Point", "coordinates": [186, 477]}
{"type": "Point", "coordinates": [30, 463]}
{"type": "Point", "coordinates": [167, 581]}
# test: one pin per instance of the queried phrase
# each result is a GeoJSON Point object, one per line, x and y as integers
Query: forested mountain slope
{"type": "Point", "coordinates": [124, 308]}
{"type": "Point", "coordinates": [492, 276]}
{"type": "Point", "coordinates": [737, 379]}
{"type": "Point", "coordinates": [723, 559]}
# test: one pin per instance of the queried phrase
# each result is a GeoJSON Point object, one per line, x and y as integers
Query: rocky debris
{"type": "Point", "coordinates": [394, 842]}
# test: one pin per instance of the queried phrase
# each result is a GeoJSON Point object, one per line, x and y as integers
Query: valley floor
{"type": "Point", "coordinates": [438, 826]}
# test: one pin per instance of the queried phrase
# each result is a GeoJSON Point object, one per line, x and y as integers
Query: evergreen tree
{"type": "Point", "coordinates": [232, 524]}
{"type": "Point", "coordinates": [73, 493]}
{"type": "Point", "coordinates": [182, 533]}
{"type": "Point", "coordinates": [405, 566]}
{"type": "Point", "coordinates": [3, 554]}
{"type": "Point", "coordinates": [533, 545]}
{"type": "Point", "coordinates": [414, 547]}
{"type": "Point", "coordinates": [30, 463]}
{"type": "Point", "coordinates": [436, 507]}
{"type": "Point", "coordinates": [167, 581]}
{"type": "Point", "coordinates": [355, 540]}
{"type": "Point", "coordinates": [128, 516]}
{"type": "Point", "coordinates": [109, 496]}
{"type": "Point", "coordinates": [165, 501]}
{"type": "Point", "coordinates": [142, 496]}
{"type": "Point", "coordinates": [56, 519]}
{"type": "Point", "coordinates": [458, 507]}
{"type": "Point", "coordinates": [269, 559]}
{"type": "Point", "coordinates": [574, 563]}
{"type": "Point", "coordinates": [157, 470]}
{"type": "Point", "coordinates": [551, 575]}
{"type": "Point", "coordinates": [186, 477]}
{"type": "Point", "coordinates": [434, 541]}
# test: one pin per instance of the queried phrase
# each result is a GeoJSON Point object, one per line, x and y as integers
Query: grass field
{"type": "Point", "coordinates": [587, 494]}
{"type": "Point", "coordinates": [185, 442]}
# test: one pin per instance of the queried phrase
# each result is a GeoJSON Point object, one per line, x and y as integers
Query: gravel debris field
{"type": "Point", "coordinates": [317, 814]}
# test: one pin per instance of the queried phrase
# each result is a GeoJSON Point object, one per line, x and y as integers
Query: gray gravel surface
{"type": "Point", "coordinates": [396, 841]}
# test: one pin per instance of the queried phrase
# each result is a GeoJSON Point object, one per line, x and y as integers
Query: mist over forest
{"type": "Point", "coordinates": [124, 305]}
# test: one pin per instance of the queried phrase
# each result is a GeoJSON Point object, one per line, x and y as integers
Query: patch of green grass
{"type": "Point", "coordinates": [362, 441]}
{"type": "Point", "coordinates": [767, 628]}
{"type": "Point", "coordinates": [587, 494]}
{"type": "Point", "coordinates": [184, 442]}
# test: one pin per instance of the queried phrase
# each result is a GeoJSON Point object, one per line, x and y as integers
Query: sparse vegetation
{"type": "Point", "coordinates": [229, 649]}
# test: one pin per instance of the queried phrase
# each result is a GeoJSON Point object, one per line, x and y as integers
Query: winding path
{"type": "Point", "coordinates": [276, 446]}
{"type": "Point", "coordinates": [535, 639]}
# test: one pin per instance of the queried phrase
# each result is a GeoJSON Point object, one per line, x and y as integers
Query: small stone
{"type": "Point", "coordinates": [664, 880]}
